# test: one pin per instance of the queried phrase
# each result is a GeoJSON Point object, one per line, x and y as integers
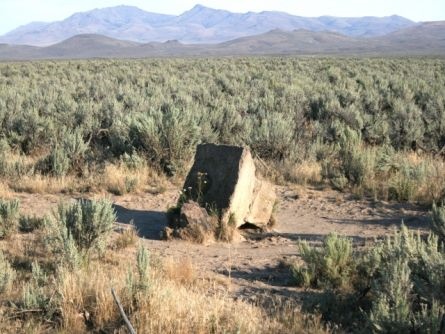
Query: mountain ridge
{"type": "Point", "coordinates": [423, 39]}
{"type": "Point", "coordinates": [200, 24]}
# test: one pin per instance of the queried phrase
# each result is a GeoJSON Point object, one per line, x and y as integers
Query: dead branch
{"type": "Point", "coordinates": [122, 312]}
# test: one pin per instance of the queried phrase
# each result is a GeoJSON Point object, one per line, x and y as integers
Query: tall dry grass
{"type": "Point", "coordinates": [43, 184]}
{"type": "Point", "coordinates": [115, 179]}
{"type": "Point", "coordinates": [399, 176]}
{"type": "Point", "coordinates": [5, 191]}
{"type": "Point", "coordinates": [172, 300]}
{"type": "Point", "coordinates": [172, 303]}
{"type": "Point", "coordinates": [119, 180]}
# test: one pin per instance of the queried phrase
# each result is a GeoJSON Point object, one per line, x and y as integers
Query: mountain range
{"type": "Point", "coordinates": [423, 39]}
{"type": "Point", "coordinates": [198, 25]}
{"type": "Point", "coordinates": [128, 32]}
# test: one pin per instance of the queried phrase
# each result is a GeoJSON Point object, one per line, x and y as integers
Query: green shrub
{"type": "Point", "coordinates": [397, 284]}
{"type": "Point", "coordinates": [60, 242]}
{"type": "Point", "coordinates": [391, 311]}
{"type": "Point", "coordinates": [438, 221]}
{"type": "Point", "coordinates": [403, 184]}
{"type": "Point", "coordinates": [7, 273]}
{"type": "Point", "coordinates": [331, 266]}
{"type": "Point", "coordinates": [29, 224]}
{"type": "Point", "coordinates": [142, 261]}
{"type": "Point", "coordinates": [133, 161]}
{"type": "Point", "coordinates": [272, 136]}
{"type": "Point", "coordinates": [168, 135]}
{"type": "Point", "coordinates": [74, 147]}
{"type": "Point", "coordinates": [89, 223]}
{"type": "Point", "coordinates": [36, 295]}
{"type": "Point", "coordinates": [58, 162]}
{"type": "Point", "coordinates": [406, 275]}
{"type": "Point", "coordinates": [9, 218]}
{"type": "Point", "coordinates": [355, 162]}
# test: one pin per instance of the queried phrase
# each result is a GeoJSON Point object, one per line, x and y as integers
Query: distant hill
{"type": "Point", "coordinates": [428, 37]}
{"type": "Point", "coordinates": [198, 25]}
{"type": "Point", "coordinates": [295, 42]}
{"type": "Point", "coordinates": [423, 39]}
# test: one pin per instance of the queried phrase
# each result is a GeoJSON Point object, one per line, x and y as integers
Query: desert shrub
{"type": "Point", "coordinates": [398, 283]}
{"type": "Point", "coordinates": [34, 295]}
{"type": "Point", "coordinates": [407, 125]}
{"type": "Point", "coordinates": [88, 222]}
{"type": "Point", "coordinates": [354, 162]}
{"type": "Point", "coordinates": [7, 273]}
{"type": "Point", "coordinates": [438, 221]}
{"type": "Point", "coordinates": [406, 275]}
{"type": "Point", "coordinates": [391, 311]}
{"type": "Point", "coordinates": [272, 136]}
{"type": "Point", "coordinates": [58, 162]}
{"type": "Point", "coordinates": [9, 217]}
{"type": "Point", "coordinates": [75, 148]}
{"type": "Point", "coordinates": [280, 107]}
{"type": "Point", "coordinates": [29, 224]}
{"type": "Point", "coordinates": [79, 230]}
{"type": "Point", "coordinates": [4, 152]}
{"type": "Point", "coordinates": [167, 135]}
{"type": "Point", "coordinates": [61, 243]}
{"type": "Point", "coordinates": [133, 161]}
{"type": "Point", "coordinates": [142, 264]}
{"type": "Point", "coordinates": [331, 266]}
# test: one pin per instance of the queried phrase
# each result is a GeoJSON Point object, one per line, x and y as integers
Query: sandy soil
{"type": "Point", "coordinates": [256, 266]}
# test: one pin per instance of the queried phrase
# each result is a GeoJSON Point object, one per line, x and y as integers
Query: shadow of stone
{"type": "Point", "coordinates": [412, 222]}
{"type": "Point", "coordinates": [148, 224]}
{"type": "Point", "coordinates": [272, 275]}
{"type": "Point", "coordinates": [310, 238]}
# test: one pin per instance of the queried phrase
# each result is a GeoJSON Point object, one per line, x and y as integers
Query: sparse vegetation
{"type": "Point", "coordinates": [438, 222]}
{"type": "Point", "coordinates": [374, 127]}
{"type": "Point", "coordinates": [395, 286]}
{"type": "Point", "coordinates": [9, 218]}
{"type": "Point", "coordinates": [158, 294]}
{"type": "Point", "coordinates": [7, 274]}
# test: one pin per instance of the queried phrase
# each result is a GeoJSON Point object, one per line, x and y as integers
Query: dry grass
{"type": "Point", "coordinates": [412, 177]}
{"type": "Point", "coordinates": [126, 238]}
{"type": "Point", "coordinates": [116, 179]}
{"type": "Point", "coordinates": [174, 300]}
{"type": "Point", "coordinates": [431, 187]}
{"type": "Point", "coordinates": [306, 172]}
{"type": "Point", "coordinates": [120, 180]}
{"type": "Point", "coordinates": [5, 192]}
{"type": "Point", "coordinates": [41, 184]}
{"type": "Point", "coordinates": [86, 297]}
{"type": "Point", "coordinates": [179, 270]}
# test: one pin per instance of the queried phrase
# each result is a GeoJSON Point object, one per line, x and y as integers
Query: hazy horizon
{"type": "Point", "coordinates": [51, 10]}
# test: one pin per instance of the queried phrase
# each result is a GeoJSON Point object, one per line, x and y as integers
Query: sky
{"type": "Point", "coordinates": [14, 13]}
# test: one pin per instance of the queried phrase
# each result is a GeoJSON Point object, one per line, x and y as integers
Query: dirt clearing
{"type": "Point", "coordinates": [255, 266]}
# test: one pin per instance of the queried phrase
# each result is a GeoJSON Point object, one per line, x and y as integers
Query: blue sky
{"type": "Point", "coordinates": [19, 12]}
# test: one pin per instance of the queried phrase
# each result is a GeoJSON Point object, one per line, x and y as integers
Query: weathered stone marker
{"type": "Point", "coordinates": [223, 178]}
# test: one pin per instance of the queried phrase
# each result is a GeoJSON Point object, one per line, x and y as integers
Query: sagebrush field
{"type": "Point", "coordinates": [372, 127]}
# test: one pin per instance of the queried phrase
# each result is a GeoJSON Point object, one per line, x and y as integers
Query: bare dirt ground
{"type": "Point", "coordinates": [256, 266]}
